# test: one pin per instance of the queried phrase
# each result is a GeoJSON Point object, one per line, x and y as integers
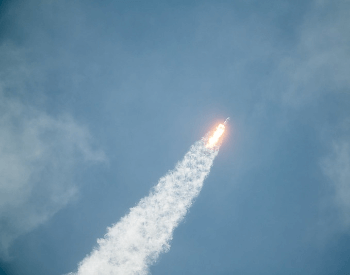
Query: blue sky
{"type": "Point", "coordinates": [99, 99]}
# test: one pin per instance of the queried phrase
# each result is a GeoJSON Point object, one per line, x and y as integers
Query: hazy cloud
{"type": "Point", "coordinates": [320, 61]}
{"type": "Point", "coordinates": [337, 167]}
{"type": "Point", "coordinates": [37, 153]}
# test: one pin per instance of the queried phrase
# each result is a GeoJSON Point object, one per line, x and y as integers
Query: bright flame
{"type": "Point", "coordinates": [212, 141]}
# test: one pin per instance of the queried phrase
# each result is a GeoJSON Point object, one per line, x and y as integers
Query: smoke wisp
{"type": "Point", "coordinates": [136, 241]}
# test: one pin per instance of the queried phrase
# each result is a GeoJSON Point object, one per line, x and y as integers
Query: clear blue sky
{"type": "Point", "coordinates": [99, 99]}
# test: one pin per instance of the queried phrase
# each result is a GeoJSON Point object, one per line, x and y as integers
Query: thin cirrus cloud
{"type": "Point", "coordinates": [337, 167]}
{"type": "Point", "coordinates": [37, 156]}
{"type": "Point", "coordinates": [38, 151]}
{"type": "Point", "coordinates": [320, 66]}
{"type": "Point", "coordinates": [319, 62]}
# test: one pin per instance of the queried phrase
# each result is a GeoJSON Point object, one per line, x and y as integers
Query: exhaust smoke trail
{"type": "Point", "coordinates": [136, 241]}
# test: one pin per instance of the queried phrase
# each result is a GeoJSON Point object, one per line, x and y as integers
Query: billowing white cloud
{"type": "Point", "coordinates": [337, 167]}
{"type": "Point", "coordinates": [137, 240]}
{"type": "Point", "coordinates": [37, 155]}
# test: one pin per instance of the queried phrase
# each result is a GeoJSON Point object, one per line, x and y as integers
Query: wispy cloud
{"type": "Point", "coordinates": [319, 62]}
{"type": "Point", "coordinates": [337, 167]}
{"type": "Point", "coordinates": [38, 154]}
{"type": "Point", "coordinates": [317, 65]}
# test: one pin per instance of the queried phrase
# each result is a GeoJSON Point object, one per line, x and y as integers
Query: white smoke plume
{"type": "Point", "coordinates": [136, 241]}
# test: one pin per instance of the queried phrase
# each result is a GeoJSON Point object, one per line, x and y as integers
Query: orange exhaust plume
{"type": "Point", "coordinates": [213, 140]}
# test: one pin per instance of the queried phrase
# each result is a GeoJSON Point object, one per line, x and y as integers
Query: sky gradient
{"type": "Point", "coordinates": [99, 99]}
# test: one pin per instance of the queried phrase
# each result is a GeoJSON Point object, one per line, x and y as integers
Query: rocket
{"type": "Point", "coordinates": [227, 119]}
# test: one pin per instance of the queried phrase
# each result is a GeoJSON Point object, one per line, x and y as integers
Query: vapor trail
{"type": "Point", "coordinates": [136, 241]}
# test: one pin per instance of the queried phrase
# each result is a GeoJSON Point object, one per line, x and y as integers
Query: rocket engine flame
{"type": "Point", "coordinates": [213, 140]}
